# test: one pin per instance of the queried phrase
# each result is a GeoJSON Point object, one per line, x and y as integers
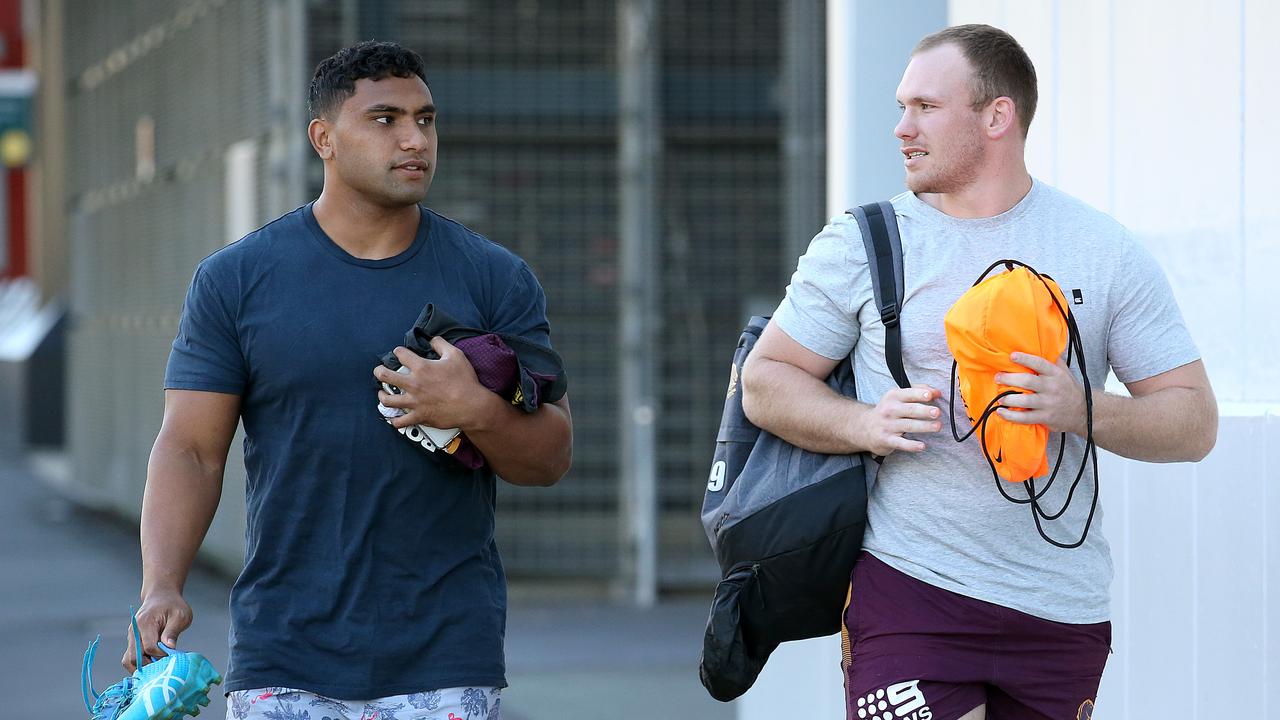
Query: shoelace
{"type": "Point", "coordinates": [1074, 347]}
{"type": "Point", "coordinates": [119, 695]}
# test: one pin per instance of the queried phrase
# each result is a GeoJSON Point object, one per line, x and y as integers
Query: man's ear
{"type": "Point", "coordinates": [318, 132]}
{"type": "Point", "coordinates": [1000, 118]}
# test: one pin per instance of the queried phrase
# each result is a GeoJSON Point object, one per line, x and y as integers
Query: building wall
{"type": "Point", "coordinates": [158, 96]}
{"type": "Point", "coordinates": [1160, 113]}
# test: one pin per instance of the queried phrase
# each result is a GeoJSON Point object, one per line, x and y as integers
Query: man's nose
{"type": "Point", "coordinates": [905, 129]}
{"type": "Point", "coordinates": [414, 139]}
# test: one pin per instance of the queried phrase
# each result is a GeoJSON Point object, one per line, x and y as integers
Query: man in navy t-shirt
{"type": "Point", "coordinates": [371, 576]}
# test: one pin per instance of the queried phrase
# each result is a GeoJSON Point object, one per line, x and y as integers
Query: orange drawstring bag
{"type": "Point", "coordinates": [1013, 311]}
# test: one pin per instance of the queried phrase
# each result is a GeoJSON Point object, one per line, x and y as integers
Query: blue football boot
{"type": "Point", "coordinates": [168, 688]}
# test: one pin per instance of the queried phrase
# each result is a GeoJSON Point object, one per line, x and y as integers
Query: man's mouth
{"type": "Point", "coordinates": [412, 166]}
{"type": "Point", "coordinates": [913, 154]}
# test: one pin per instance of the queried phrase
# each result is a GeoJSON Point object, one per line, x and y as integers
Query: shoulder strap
{"type": "Point", "coordinates": [879, 227]}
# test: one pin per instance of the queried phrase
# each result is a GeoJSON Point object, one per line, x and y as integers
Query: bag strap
{"type": "Point", "coordinates": [879, 227]}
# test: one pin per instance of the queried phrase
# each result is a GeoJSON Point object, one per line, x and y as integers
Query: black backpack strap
{"type": "Point", "coordinates": [879, 227]}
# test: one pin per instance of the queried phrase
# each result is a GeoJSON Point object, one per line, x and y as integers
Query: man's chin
{"type": "Point", "coordinates": [919, 184]}
{"type": "Point", "coordinates": [402, 196]}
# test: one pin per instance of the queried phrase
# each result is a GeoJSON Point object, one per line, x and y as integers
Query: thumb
{"type": "Point", "coordinates": [442, 347]}
{"type": "Point", "coordinates": [174, 624]}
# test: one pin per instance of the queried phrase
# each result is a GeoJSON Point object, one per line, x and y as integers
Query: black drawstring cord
{"type": "Point", "coordinates": [1075, 347]}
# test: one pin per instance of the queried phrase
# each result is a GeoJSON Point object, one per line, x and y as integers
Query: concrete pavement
{"type": "Point", "coordinates": [67, 574]}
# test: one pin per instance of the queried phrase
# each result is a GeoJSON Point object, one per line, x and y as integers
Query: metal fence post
{"type": "Point", "coordinates": [639, 157]}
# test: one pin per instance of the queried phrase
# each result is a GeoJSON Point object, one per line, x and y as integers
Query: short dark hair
{"type": "Point", "coordinates": [335, 78]}
{"type": "Point", "coordinates": [1000, 66]}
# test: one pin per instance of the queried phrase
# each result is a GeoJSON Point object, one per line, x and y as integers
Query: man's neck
{"type": "Point", "coordinates": [985, 197]}
{"type": "Point", "coordinates": [365, 230]}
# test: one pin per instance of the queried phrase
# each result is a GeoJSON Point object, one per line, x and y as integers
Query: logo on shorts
{"type": "Point", "coordinates": [1086, 711]}
{"type": "Point", "coordinates": [900, 701]}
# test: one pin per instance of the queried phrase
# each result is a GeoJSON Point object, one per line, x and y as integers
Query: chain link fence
{"type": "Point", "coordinates": [162, 97]}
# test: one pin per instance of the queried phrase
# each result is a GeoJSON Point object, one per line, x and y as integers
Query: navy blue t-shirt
{"type": "Point", "coordinates": [370, 568]}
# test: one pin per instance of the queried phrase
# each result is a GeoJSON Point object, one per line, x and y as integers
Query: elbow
{"type": "Point", "coordinates": [752, 394]}
{"type": "Point", "coordinates": [1205, 436]}
{"type": "Point", "coordinates": [554, 470]}
{"type": "Point", "coordinates": [1208, 437]}
{"type": "Point", "coordinates": [560, 468]}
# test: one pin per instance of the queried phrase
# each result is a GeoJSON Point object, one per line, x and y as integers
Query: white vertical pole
{"type": "Point", "coordinates": [639, 160]}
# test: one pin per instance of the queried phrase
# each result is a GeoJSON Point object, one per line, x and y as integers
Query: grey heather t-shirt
{"type": "Point", "coordinates": [938, 515]}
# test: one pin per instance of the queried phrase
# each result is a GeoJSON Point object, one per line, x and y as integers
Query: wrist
{"type": "Point", "coordinates": [159, 588]}
{"type": "Point", "coordinates": [486, 413]}
{"type": "Point", "coordinates": [859, 432]}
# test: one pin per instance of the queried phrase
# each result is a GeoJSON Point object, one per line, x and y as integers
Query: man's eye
{"type": "Point", "coordinates": [385, 120]}
{"type": "Point", "coordinates": [426, 121]}
{"type": "Point", "coordinates": [926, 106]}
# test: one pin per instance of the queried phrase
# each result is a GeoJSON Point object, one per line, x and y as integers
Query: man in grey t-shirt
{"type": "Point", "coordinates": [959, 608]}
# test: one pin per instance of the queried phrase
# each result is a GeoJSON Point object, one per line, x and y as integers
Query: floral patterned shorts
{"type": "Point", "coordinates": [461, 703]}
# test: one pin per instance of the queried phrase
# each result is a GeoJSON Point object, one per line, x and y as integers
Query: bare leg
{"type": "Point", "coordinates": [978, 713]}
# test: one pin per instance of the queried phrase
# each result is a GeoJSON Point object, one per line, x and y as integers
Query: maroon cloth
{"type": "Point", "coordinates": [498, 369]}
{"type": "Point", "coordinates": [918, 652]}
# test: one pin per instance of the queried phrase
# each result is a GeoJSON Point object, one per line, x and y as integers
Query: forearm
{"type": "Point", "coordinates": [525, 448]}
{"type": "Point", "coordinates": [1176, 424]}
{"type": "Point", "coordinates": [800, 408]}
{"type": "Point", "coordinates": [179, 502]}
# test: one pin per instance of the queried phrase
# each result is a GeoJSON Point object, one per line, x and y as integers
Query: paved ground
{"type": "Point", "coordinates": [69, 574]}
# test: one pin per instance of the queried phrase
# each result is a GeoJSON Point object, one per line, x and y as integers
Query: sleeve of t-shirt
{"type": "Point", "coordinates": [1147, 335]}
{"type": "Point", "coordinates": [819, 310]}
{"type": "Point", "coordinates": [206, 354]}
{"type": "Point", "coordinates": [522, 309]}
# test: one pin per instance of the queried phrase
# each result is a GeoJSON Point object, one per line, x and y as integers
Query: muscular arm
{"type": "Point", "coordinates": [784, 391]}
{"type": "Point", "coordinates": [1171, 417]}
{"type": "Point", "coordinates": [525, 448]}
{"type": "Point", "coordinates": [522, 448]}
{"type": "Point", "coordinates": [184, 484]}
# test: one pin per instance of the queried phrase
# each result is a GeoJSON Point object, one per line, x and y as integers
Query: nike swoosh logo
{"type": "Point", "coordinates": [1000, 455]}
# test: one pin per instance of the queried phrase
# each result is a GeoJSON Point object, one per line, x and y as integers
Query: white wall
{"type": "Point", "coordinates": [1163, 114]}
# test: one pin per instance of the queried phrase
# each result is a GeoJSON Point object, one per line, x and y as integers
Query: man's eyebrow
{"type": "Point", "coordinates": [395, 110]}
{"type": "Point", "coordinates": [921, 99]}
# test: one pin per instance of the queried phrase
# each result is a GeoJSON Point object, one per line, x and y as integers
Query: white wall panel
{"type": "Point", "coordinates": [1177, 151]}
{"type": "Point", "coordinates": [1084, 150]}
{"type": "Point", "coordinates": [1161, 516]}
{"type": "Point", "coordinates": [1177, 70]}
{"type": "Point", "coordinates": [1269, 632]}
{"type": "Point", "coordinates": [1260, 161]}
{"type": "Point", "coordinates": [1230, 564]}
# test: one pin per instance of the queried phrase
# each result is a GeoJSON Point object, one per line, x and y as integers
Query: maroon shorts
{"type": "Point", "coordinates": [917, 652]}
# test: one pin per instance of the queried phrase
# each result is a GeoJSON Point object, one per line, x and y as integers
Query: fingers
{"type": "Point", "coordinates": [915, 426]}
{"type": "Point", "coordinates": [442, 347]}
{"type": "Point", "coordinates": [394, 401]}
{"type": "Point", "coordinates": [166, 627]}
{"type": "Point", "coordinates": [1034, 362]}
{"type": "Point", "coordinates": [161, 622]}
{"type": "Point", "coordinates": [409, 358]}
{"type": "Point", "coordinates": [929, 393]}
{"type": "Point", "coordinates": [889, 444]}
{"type": "Point", "coordinates": [1025, 381]}
{"type": "Point", "coordinates": [408, 419]}
{"type": "Point", "coordinates": [911, 404]}
{"type": "Point", "coordinates": [900, 412]}
{"type": "Point", "coordinates": [130, 660]}
{"type": "Point", "coordinates": [1022, 400]}
{"type": "Point", "coordinates": [1023, 417]}
{"type": "Point", "coordinates": [386, 375]}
